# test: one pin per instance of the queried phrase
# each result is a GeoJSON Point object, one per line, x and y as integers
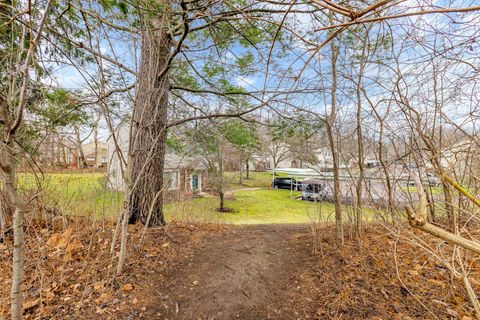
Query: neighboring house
{"type": "Point", "coordinates": [263, 162]}
{"type": "Point", "coordinates": [259, 163]}
{"type": "Point", "coordinates": [321, 160]}
{"type": "Point", "coordinates": [96, 157]}
{"type": "Point", "coordinates": [183, 175]}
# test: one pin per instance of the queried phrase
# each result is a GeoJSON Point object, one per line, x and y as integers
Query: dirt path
{"type": "Point", "coordinates": [240, 273]}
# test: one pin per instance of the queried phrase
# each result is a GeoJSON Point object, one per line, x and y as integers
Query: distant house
{"type": "Point", "coordinates": [320, 158]}
{"type": "Point", "coordinates": [95, 157]}
{"type": "Point", "coordinates": [183, 176]}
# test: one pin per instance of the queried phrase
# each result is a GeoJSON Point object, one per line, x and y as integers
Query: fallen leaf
{"type": "Point", "coordinates": [103, 297]}
{"type": "Point", "coordinates": [53, 240]}
{"type": "Point", "coordinates": [62, 243]}
{"type": "Point", "coordinates": [30, 304]}
{"type": "Point", "coordinates": [453, 313]}
{"type": "Point", "coordinates": [73, 246]}
{"type": "Point", "coordinates": [49, 295]}
{"type": "Point", "coordinates": [98, 286]}
{"type": "Point", "coordinates": [127, 287]}
{"type": "Point", "coordinates": [436, 282]}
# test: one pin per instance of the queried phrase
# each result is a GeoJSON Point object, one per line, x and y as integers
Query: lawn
{"type": "Point", "coordinates": [252, 207]}
{"type": "Point", "coordinates": [413, 189]}
{"type": "Point", "coordinates": [73, 194]}
{"type": "Point", "coordinates": [86, 195]}
{"type": "Point", "coordinates": [256, 179]}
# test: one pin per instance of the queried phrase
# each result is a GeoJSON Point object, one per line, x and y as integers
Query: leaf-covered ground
{"type": "Point", "coordinates": [223, 272]}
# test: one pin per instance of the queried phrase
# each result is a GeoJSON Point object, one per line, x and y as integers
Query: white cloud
{"type": "Point", "coordinates": [245, 82]}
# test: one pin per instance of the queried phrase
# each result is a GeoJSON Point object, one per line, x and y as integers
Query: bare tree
{"type": "Point", "coordinates": [11, 116]}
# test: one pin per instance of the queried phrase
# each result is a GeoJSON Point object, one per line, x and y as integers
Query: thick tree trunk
{"type": "Point", "coordinates": [247, 166]}
{"type": "Point", "coordinates": [149, 124]}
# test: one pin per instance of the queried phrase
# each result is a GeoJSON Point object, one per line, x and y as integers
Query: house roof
{"type": "Point", "coordinates": [175, 161]}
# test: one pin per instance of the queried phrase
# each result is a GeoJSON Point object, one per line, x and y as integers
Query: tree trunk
{"type": "Point", "coordinates": [329, 126]}
{"type": "Point", "coordinates": [221, 179]}
{"type": "Point", "coordinates": [64, 154]}
{"type": "Point", "coordinates": [448, 200]}
{"type": "Point", "coordinates": [361, 173]}
{"type": "Point", "coordinates": [52, 150]}
{"type": "Point", "coordinates": [149, 123]}
{"type": "Point", "coordinates": [247, 166]}
{"type": "Point", "coordinates": [82, 163]}
{"type": "Point", "coordinates": [222, 201]}
{"type": "Point", "coordinates": [388, 182]}
{"type": "Point", "coordinates": [95, 141]}
{"type": "Point", "coordinates": [8, 169]}
{"type": "Point", "coordinates": [240, 181]}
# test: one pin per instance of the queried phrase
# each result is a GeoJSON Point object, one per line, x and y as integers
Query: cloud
{"type": "Point", "coordinates": [245, 82]}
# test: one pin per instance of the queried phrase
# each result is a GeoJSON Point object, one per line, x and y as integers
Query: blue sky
{"type": "Point", "coordinates": [415, 40]}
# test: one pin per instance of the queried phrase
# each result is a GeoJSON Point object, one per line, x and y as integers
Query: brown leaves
{"type": "Point", "coordinates": [60, 240]}
{"type": "Point", "coordinates": [127, 287]}
{"type": "Point", "coordinates": [452, 313]}
{"type": "Point", "coordinates": [65, 243]}
{"type": "Point", "coordinates": [30, 304]}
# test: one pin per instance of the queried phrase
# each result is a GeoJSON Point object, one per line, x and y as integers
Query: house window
{"type": "Point", "coordinates": [171, 180]}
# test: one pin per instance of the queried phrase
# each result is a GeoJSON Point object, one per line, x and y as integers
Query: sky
{"type": "Point", "coordinates": [415, 41]}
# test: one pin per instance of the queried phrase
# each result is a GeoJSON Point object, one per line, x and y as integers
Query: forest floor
{"type": "Point", "coordinates": [289, 271]}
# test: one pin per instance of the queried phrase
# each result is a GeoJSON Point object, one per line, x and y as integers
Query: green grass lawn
{"type": "Point", "coordinates": [252, 207]}
{"type": "Point", "coordinates": [73, 194]}
{"type": "Point", "coordinates": [86, 195]}
{"type": "Point", "coordinates": [256, 179]}
{"type": "Point", "coordinates": [413, 189]}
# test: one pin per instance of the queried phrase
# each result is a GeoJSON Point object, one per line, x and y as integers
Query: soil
{"type": "Point", "coordinates": [235, 272]}
{"type": "Point", "coordinates": [283, 272]}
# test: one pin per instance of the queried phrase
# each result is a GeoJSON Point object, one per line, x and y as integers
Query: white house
{"type": "Point", "coordinates": [183, 175]}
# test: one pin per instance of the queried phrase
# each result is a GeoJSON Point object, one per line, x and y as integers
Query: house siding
{"type": "Point", "coordinates": [114, 165]}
